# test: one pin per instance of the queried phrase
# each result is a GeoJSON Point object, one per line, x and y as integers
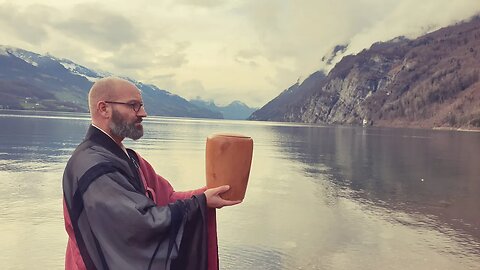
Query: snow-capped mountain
{"type": "Point", "coordinates": [31, 81]}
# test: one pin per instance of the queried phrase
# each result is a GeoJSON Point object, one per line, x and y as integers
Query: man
{"type": "Point", "coordinates": [119, 214]}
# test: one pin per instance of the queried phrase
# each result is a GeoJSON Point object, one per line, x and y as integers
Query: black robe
{"type": "Point", "coordinates": [115, 225]}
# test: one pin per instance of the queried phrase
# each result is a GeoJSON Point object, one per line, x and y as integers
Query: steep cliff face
{"type": "Point", "coordinates": [432, 81]}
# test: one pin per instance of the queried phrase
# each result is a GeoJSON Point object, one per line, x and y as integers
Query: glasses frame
{"type": "Point", "coordinates": [131, 104]}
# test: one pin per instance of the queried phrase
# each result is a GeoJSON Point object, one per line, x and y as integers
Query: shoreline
{"type": "Point", "coordinates": [456, 129]}
{"type": "Point", "coordinates": [459, 129]}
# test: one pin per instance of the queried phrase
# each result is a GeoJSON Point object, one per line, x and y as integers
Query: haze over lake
{"type": "Point", "coordinates": [319, 197]}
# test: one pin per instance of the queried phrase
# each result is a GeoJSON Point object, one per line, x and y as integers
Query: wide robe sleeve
{"type": "Point", "coordinates": [132, 232]}
{"type": "Point", "coordinates": [164, 193]}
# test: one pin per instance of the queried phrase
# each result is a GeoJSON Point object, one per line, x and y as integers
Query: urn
{"type": "Point", "coordinates": [228, 161]}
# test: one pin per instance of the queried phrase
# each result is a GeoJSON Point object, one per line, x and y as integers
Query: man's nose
{"type": "Point", "coordinates": [142, 112]}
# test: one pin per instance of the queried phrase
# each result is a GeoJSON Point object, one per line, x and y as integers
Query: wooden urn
{"type": "Point", "coordinates": [228, 162]}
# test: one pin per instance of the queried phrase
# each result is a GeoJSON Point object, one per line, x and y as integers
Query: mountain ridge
{"type": "Point", "coordinates": [431, 81]}
{"type": "Point", "coordinates": [31, 81]}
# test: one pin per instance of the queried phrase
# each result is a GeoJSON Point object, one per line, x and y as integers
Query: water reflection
{"type": "Point", "coordinates": [318, 197]}
{"type": "Point", "coordinates": [434, 173]}
{"type": "Point", "coordinates": [37, 142]}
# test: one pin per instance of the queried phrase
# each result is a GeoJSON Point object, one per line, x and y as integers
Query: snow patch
{"type": "Point", "coordinates": [68, 66]}
{"type": "Point", "coordinates": [25, 56]}
{"type": "Point", "coordinates": [76, 69]}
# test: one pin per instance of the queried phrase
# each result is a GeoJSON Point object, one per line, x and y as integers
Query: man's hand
{"type": "Point", "coordinates": [215, 201]}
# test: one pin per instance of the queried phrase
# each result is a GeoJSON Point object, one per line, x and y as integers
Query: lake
{"type": "Point", "coordinates": [319, 197]}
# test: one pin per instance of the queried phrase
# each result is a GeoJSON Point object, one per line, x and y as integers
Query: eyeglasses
{"type": "Point", "coordinates": [135, 105]}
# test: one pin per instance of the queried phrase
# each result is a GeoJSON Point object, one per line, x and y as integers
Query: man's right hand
{"type": "Point", "coordinates": [215, 201]}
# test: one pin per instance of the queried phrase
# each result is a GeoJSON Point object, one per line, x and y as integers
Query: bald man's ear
{"type": "Point", "coordinates": [103, 110]}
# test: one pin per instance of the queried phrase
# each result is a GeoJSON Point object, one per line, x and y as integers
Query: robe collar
{"type": "Point", "coordinates": [99, 137]}
{"type": "Point", "coordinates": [96, 135]}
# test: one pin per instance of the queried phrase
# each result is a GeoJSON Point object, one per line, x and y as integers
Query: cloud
{"type": "Point", "coordinates": [173, 57]}
{"type": "Point", "coordinates": [26, 24]}
{"type": "Point", "coordinates": [163, 81]}
{"type": "Point", "coordinates": [248, 57]}
{"type": "Point", "coordinates": [143, 56]}
{"type": "Point", "coordinates": [201, 3]}
{"type": "Point", "coordinates": [411, 18]}
{"type": "Point", "coordinates": [98, 26]}
{"type": "Point", "coordinates": [192, 88]}
{"type": "Point", "coordinates": [302, 31]}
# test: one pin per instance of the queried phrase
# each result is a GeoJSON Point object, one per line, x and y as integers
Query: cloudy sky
{"type": "Point", "coordinates": [225, 50]}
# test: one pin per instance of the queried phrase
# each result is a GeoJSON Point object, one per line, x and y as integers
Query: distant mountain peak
{"type": "Point", "coordinates": [237, 103]}
{"type": "Point", "coordinates": [235, 110]}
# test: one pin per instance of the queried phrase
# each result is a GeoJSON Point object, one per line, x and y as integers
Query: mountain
{"type": "Point", "coordinates": [290, 99]}
{"type": "Point", "coordinates": [430, 81]}
{"type": "Point", "coordinates": [30, 81]}
{"type": "Point", "coordinates": [236, 110]}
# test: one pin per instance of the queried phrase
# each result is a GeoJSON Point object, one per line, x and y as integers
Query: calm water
{"type": "Point", "coordinates": [318, 197]}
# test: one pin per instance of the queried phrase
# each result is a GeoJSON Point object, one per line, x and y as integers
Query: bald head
{"type": "Point", "coordinates": [109, 88]}
{"type": "Point", "coordinates": [116, 107]}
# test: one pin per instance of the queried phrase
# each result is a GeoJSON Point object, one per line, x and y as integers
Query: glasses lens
{"type": "Point", "coordinates": [136, 106]}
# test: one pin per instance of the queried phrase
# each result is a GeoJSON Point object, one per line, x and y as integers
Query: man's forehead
{"type": "Point", "coordinates": [128, 90]}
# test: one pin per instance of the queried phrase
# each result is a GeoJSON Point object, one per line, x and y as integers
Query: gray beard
{"type": "Point", "coordinates": [122, 128]}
